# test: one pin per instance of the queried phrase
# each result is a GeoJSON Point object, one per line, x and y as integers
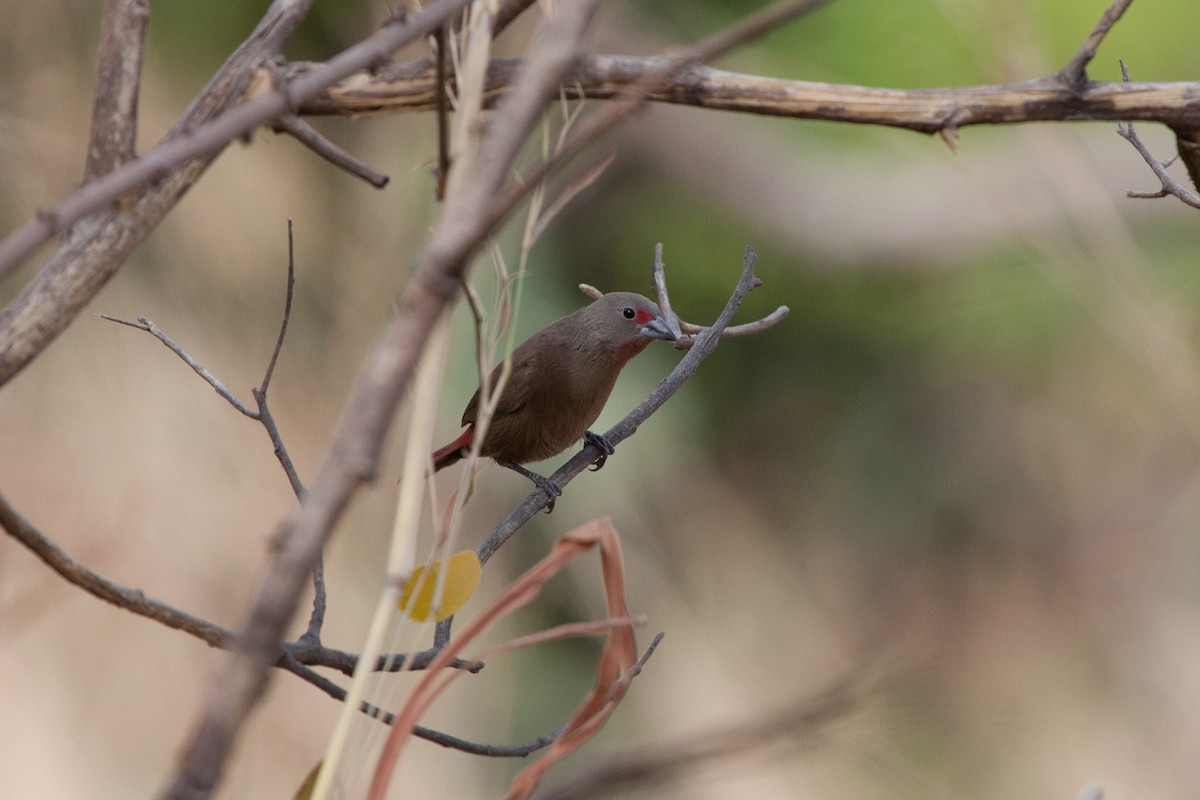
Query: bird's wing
{"type": "Point", "coordinates": [516, 389]}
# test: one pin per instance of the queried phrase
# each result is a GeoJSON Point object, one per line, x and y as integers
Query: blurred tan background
{"type": "Point", "coordinates": [965, 466]}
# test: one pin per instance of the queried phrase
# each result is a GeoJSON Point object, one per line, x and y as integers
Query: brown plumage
{"type": "Point", "coordinates": [561, 378]}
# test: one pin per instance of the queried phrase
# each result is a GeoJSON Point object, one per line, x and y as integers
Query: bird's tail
{"type": "Point", "coordinates": [454, 451]}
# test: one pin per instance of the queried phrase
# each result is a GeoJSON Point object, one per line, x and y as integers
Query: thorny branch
{"type": "Point", "coordinates": [406, 87]}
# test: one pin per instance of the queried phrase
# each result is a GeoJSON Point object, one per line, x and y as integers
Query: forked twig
{"type": "Point", "coordinates": [261, 414]}
{"type": "Point", "coordinates": [688, 332]}
{"type": "Point", "coordinates": [1169, 186]}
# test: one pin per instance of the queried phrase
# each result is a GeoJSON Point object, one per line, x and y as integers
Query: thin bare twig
{"type": "Point", "coordinates": [146, 324]}
{"type": "Point", "coordinates": [262, 415]}
{"type": "Point", "coordinates": [287, 310]}
{"type": "Point", "coordinates": [318, 655]}
{"type": "Point", "coordinates": [420, 731]}
{"type": "Point", "coordinates": [659, 279]}
{"type": "Point", "coordinates": [308, 136]}
{"type": "Point", "coordinates": [688, 331]}
{"type": "Point", "coordinates": [1170, 186]}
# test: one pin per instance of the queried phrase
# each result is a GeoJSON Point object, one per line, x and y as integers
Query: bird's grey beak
{"type": "Point", "coordinates": [658, 328]}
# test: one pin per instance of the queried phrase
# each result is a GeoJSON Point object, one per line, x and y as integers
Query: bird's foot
{"type": "Point", "coordinates": [601, 444]}
{"type": "Point", "coordinates": [549, 487]}
{"type": "Point", "coordinates": [545, 484]}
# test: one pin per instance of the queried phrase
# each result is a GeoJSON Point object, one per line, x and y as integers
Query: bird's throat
{"type": "Point", "coordinates": [630, 349]}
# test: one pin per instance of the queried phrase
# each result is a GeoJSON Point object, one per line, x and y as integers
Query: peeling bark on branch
{"type": "Point", "coordinates": [410, 86]}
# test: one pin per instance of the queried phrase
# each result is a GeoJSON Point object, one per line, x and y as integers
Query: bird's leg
{"type": "Point", "coordinates": [601, 444]}
{"type": "Point", "coordinates": [545, 484]}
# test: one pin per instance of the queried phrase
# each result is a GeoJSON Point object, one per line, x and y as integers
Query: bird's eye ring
{"type": "Point", "coordinates": [629, 313]}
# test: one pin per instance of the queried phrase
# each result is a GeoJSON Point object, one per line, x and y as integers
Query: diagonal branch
{"type": "Point", "coordinates": [306, 135]}
{"type": "Point", "coordinates": [137, 602]}
{"type": "Point", "coordinates": [1074, 72]}
{"type": "Point", "coordinates": [89, 580]}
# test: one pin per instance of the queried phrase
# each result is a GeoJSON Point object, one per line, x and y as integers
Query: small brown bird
{"type": "Point", "coordinates": [560, 380]}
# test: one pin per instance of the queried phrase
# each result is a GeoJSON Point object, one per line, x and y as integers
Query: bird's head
{"type": "Point", "coordinates": [628, 322]}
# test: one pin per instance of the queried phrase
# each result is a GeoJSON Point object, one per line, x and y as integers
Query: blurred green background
{"type": "Point", "coordinates": [965, 466]}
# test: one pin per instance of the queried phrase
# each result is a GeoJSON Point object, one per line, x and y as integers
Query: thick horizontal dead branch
{"type": "Point", "coordinates": [411, 86]}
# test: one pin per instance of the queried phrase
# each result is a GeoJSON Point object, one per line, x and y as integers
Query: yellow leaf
{"type": "Point", "coordinates": [461, 579]}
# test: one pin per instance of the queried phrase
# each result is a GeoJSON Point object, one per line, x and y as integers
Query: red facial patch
{"type": "Point", "coordinates": [642, 316]}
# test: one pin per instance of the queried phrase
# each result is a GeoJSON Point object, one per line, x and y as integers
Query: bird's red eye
{"type": "Point", "coordinates": [629, 313]}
